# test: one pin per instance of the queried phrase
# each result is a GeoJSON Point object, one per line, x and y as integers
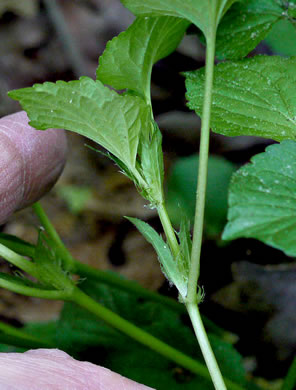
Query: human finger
{"type": "Point", "coordinates": [30, 162]}
{"type": "Point", "coordinates": [52, 369]}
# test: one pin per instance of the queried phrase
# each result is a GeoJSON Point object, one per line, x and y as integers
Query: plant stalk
{"type": "Point", "coordinates": [191, 299]}
{"type": "Point", "coordinates": [144, 338]}
{"type": "Point", "coordinates": [168, 229]}
{"type": "Point", "coordinates": [132, 287]}
{"type": "Point", "coordinates": [84, 270]}
{"type": "Point", "coordinates": [202, 171]}
{"type": "Point", "coordinates": [129, 286]}
{"type": "Point", "coordinates": [131, 330]}
{"type": "Point", "coordinates": [113, 319]}
{"type": "Point", "coordinates": [109, 278]}
{"type": "Point", "coordinates": [205, 346]}
{"type": "Point", "coordinates": [51, 231]}
{"type": "Point", "coordinates": [33, 291]}
{"type": "Point", "coordinates": [19, 261]}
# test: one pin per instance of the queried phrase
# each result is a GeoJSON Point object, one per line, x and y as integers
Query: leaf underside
{"type": "Point", "coordinates": [89, 108]}
{"type": "Point", "coordinates": [203, 13]}
{"type": "Point", "coordinates": [254, 96]}
{"type": "Point", "coordinates": [262, 199]}
{"type": "Point", "coordinates": [128, 58]}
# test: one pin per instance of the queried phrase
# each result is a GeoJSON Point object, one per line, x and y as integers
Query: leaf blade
{"type": "Point", "coordinates": [204, 14]}
{"type": "Point", "coordinates": [245, 25]}
{"type": "Point", "coordinates": [90, 109]}
{"type": "Point", "coordinates": [166, 259]}
{"type": "Point", "coordinates": [262, 201]}
{"type": "Point", "coordinates": [128, 59]}
{"type": "Point", "coordinates": [255, 96]}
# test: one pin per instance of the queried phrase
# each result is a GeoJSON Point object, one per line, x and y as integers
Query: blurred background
{"type": "Point", "coordinates": [250, 288]}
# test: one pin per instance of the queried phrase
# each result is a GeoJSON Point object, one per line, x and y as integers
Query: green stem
{"type": "Point", "coordinates": [191, 299]}
{"type": "Point", "coordinates": [110, 279]}
{"type": "Point", "coordinates": [206, 348]}
{"type": "Point", "coordinates": [17, 337]}
{"type": "Point", "coordinates": [168, 229]}
{"type": "Point", "coordinates": [144, 338]}
{"type": "Point", "coordinates": [290, 379]}
{"type": "Point", "coordinates": [84, 270]}
{"type": "Point", "coordinates": [202, 171]}
{"type": "Point", "coordinates": [130, 286]}
{"type": "Point", "coordinates": [80, 298]}
{"type": "Point", "coordinates": [18, 260]}
{"type": "Point", "coordinates": [22, 289]}
{"type": "Point", "coordinates": [114, 280]}
{"type": "Point", "coordinates": [52, 233]}
{"type": "Point", "coordinates": [108, 316]}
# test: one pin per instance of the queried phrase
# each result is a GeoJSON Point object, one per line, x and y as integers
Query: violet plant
{"type": "Point", "coordinates": [253, 96]}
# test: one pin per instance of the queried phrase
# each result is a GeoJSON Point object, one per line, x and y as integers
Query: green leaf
{"type": "Point", "coordinates": [282, 38]}
{"type": "Point", "coordinates": [247, 23]}
{"type": "Point", "coordinates": [181, 192]}
{"type": "Point", "coordinates": [290, 9]}
{"type": "Point", "coordinates": [203, 13]}
{"type": "Point", "coordinates": [90, 109]}
{"type": "Point", "coordinates": [45, 330]}
{"type": "Point", "coordinates": [168, 263]}
{"type": "Point", "coordinates": [262, 199]}
{"type": "Point", "coordinates": [128, 59]}
{"type": "Point", "coordinates": [255, 96]}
